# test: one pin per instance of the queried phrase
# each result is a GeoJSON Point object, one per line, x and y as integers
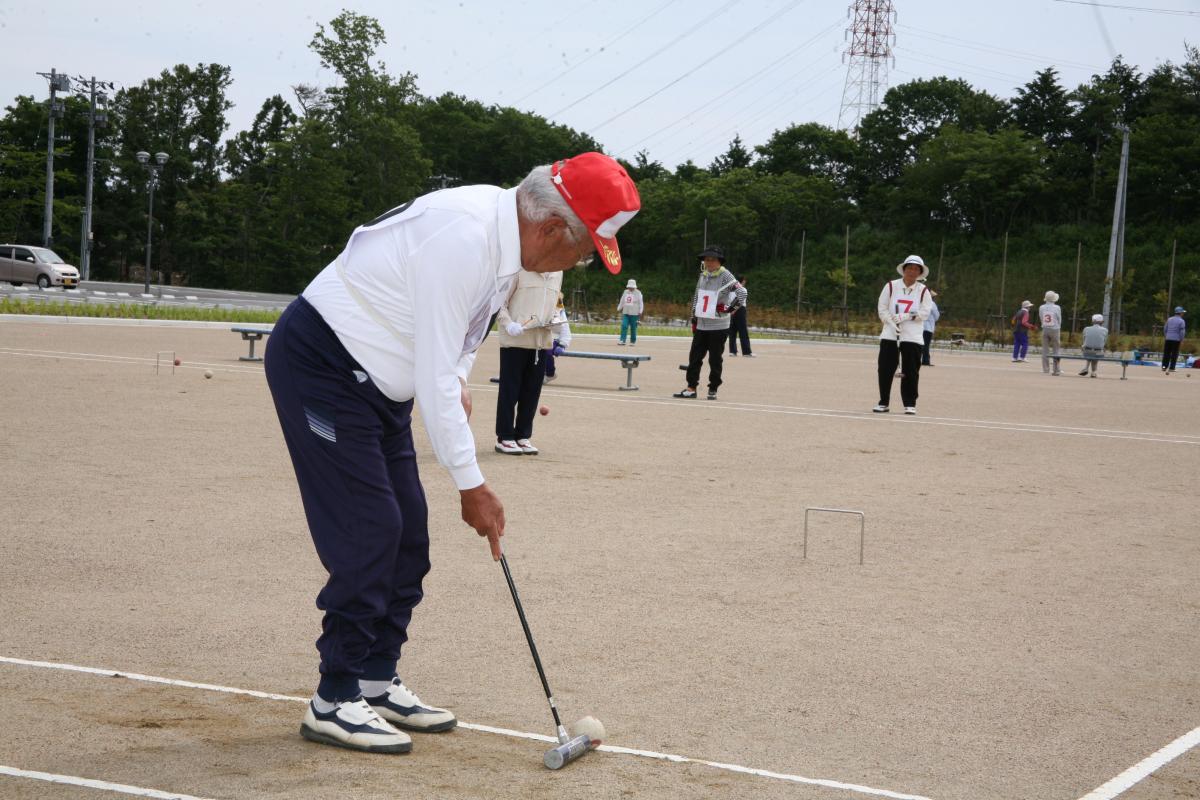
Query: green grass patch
{"type": "Point", "coordinates": [61, 308]}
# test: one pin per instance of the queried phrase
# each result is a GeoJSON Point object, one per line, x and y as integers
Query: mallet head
{"type": "Point", "coordinates": [568, 751]}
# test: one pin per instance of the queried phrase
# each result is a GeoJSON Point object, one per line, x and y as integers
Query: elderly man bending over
{"type": "Point", "coordinates": [397, 317]}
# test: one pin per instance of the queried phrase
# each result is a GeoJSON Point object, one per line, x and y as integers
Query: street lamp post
{"type": "Point", "coordinates": [159, 159]}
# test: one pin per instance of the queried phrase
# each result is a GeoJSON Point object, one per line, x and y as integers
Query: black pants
{"type": "Point", "coordinates": [739, 330]}
{"type": "Point", "coordinates": [908, 356]}
{"type": "Point", "coordinates": [1170, 354]}
{"type": "Point", "coordinates": [925, 350]}
{"type": "Point", "coordinates": [352, 449]}
{"type": "Point", "coordinates": [522, 372]}
{"type": "Point", "coordinates": [712, 344]}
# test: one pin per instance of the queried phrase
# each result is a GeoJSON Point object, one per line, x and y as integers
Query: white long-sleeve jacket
{"type": "Point", "coordinates": [903, 310]}
{"type": "Point", "coordinates": [411, 297]}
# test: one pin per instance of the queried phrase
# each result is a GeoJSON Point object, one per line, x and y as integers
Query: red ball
{"type": "Point", "coordinates": [178, 362]}
{"type": "Point", "coordinates": [544, 410]}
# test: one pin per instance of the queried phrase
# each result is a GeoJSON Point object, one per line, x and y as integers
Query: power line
{"type": "Point", "coordinates": [598, 51]}
{"type": "Point", "coordinates": [702, 64]}
{"type": "Point", "coordinates": [769, 97]}
{"type": "Point", "coordinates": [967, 68]}
{"type": "Point", "coordinates": [709, 137]}
{"type": "Point", "coordinates": [1171, 11]}
{"type": "Point", "coordinates": [653, 55]}
{"type": "Point", "coordinates": [956, 41]}
{"type": "Point", "coordinates": [735, 87]}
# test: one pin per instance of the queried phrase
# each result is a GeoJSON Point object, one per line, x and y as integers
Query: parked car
{"type": "Point", "coordinates": [22, 263]}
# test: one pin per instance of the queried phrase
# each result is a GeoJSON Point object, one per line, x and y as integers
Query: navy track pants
{"type": "Point", "coordinates": [352, 449]}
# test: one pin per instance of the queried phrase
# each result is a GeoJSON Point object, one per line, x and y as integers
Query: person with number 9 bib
{"type": "Point", "coordinates": [904, 305]}
{"type": "Point", "coordinates": [718, 295]}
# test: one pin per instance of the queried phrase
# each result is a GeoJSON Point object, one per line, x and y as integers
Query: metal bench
{"type": "Point", "coordinates": [1122, 360]}
{"type": "Point", "coordinates": [251, 335]}
{"type": "Point", "coordinates": [628, 361]}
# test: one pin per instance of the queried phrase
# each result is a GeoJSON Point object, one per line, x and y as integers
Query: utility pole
{"type": "Point", "coordinates": [1171, 280]}
{"type": "Point", "coordinates": [1116, 244]}
{"type": "Point", "coordinates": [1075, 301]}
{"type": "Point", "coordinates": [1003, 272]}
{"type": "Point", "coordinates": [97, 118]}
{"type": "Point", "coordinates": [800, 285]}
{"type": "Point", "coordinates": [58, 83]}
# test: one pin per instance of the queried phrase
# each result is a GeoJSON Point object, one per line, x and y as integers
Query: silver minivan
{"type": "Point", "coordinates": [22, 263]}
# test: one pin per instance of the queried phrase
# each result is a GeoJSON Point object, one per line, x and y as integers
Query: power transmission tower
{"type": "Point", "coordinates": [868, 54]}
{"type": "Point", "coordinates": [58, 83]}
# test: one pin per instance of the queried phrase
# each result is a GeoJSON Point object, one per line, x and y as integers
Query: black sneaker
{"type": "Point", "coordinates": [712, 394]}
{"type": "Point", "coordinates": [355, 725]}
{"type": "Point", "coordinates": [689, 394]}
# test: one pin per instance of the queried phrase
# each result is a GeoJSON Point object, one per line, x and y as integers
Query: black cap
{"type": "Point", "coordinates": [714, 252]}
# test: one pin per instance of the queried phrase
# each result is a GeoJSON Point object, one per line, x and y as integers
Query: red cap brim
{"type": "Point", "coordinates": [608, 252]}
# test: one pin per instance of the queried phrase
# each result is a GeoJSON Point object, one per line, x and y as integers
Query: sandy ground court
{"type": "Point", "coordinates": [1024, 624]}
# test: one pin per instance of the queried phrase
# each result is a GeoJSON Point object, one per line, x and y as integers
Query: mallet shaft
{"type": "Point", "coordinates": [537, 662]}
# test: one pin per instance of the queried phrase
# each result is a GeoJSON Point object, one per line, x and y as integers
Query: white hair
{"type": "Point", "coordinates": [538, 199]}
{"type": "Point", "coordinates": [1097, 318]}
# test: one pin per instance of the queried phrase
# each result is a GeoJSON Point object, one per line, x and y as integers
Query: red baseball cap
{"type": "Point", "coordinates": [602, 195]}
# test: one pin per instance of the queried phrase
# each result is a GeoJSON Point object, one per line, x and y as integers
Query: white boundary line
{"type": "Point", "coordinates": [863, 416]}
{"type": "Point", "coordinates": [1141, 770]}
{"type": "Point", "coordinates": [70, 780]}
{"type": "Point", "coordinates": [99, 358]}
{"type": "Point", "coordinates": [762, 773]}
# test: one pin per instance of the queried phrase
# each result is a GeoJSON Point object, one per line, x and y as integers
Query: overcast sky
{"type": "Point", "coordinates": [678, 78]}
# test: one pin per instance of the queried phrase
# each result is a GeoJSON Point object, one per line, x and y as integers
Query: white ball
{"type": "Point", "coordinates": [208, 373]}
{"type": "Point", "coordinates": [593, 727]}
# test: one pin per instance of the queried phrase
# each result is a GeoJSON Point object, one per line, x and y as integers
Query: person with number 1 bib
{"type": "Point", "coordinates": [718, 295]}
{"type": "Point", "coordinates": [904, 305]}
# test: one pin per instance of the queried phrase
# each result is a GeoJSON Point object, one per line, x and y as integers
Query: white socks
{"type": "Point", "coordinates": [373, 688]}
{"type": "Point", "coordinates": [322, 705]}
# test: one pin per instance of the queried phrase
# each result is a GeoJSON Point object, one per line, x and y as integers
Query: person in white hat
{"type": "Point", "coordinates": [1173, 332]}
{"type": "Point", "coordinates": [1094, 338]}
{"type": "Point", "coordinates": [904, 305]}
{"type": "Point", "coordinates": [630, 309]}
{"type": "Point", "coordinates": [1050, 315]}
{"type": "Point", "coordinates": [1021, 328]}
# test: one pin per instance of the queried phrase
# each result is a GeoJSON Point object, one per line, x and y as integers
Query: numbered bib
{"type": "Point", "coordinates": [706, 304]}
{"type": "Point", "coordinates": [628, 300]}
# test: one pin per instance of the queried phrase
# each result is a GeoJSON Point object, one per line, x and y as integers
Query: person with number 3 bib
{"type": "Point", "coordinates": [904, 305]}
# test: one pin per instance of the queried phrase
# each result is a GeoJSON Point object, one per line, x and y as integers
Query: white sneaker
{"type": "Point", "coordinates": [354, 724]}
{"type": "Point", "coordinates": [527, 447]}
{"type": "Point", "coordinates": [509, 447]}
{"type": "Point", "coordinates": [399, 706]}
{"type": "Point", "coordinates": [880, 409]}
{"type": "Point", "coordinates": [910, 409]}
{"type": "Point", "coordinates": [548, 378]}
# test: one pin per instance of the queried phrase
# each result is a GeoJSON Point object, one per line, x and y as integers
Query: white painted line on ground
{"type": "Point", "coordinates": [119, 788]}
{"type": "Point", "coordinates": [1138, 772]}
{"type": "Point", "coordinates": [127, 360]}
{"type": "Point", "coordinates": [190, 297]}
{"type": "Point", "coordinates": [866, 416]}
{"type": "Point", "coordinates": [99, 293]}
{"type": "Point", "coordinates": [168, 296]}
{"type": "Point", "coordinates": [762, 773]}
{"type": "Point", "coordinates": [122, 294]}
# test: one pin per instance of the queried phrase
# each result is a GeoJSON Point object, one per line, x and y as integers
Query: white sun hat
{"type": "Point", "coordinates": [920, 262]}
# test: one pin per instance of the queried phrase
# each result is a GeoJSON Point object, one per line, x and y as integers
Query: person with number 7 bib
{"type": "Point", "coordinates": [904, 305]}
{"type": "Point", "coordinates": [718, 295]}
